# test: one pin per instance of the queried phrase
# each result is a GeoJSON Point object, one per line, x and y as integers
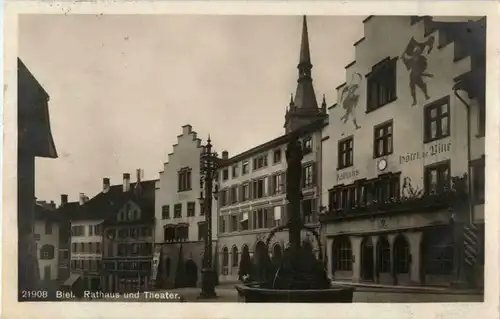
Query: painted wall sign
{"type": "Point", "coordinates": [415, 59]}
{"type": "Point", "coordinates": [347, 175]}
{"type": "Point", "coordinates": [434, 149]}
{"type": "Point", "coordinates": [349, 99]}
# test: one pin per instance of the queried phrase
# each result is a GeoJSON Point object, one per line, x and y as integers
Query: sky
{"type": "Point", "coordinates": [121, 86]}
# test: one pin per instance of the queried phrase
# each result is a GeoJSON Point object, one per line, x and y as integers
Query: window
{"type": "Point", "coordinates": [258, 188]}
{"type": "Point", "coordinates": [111, 249]}
{"type": "Point", "coordinates": [168, 233]}
{"type": "Point", "coordinates": [91, 230]}
{"type": "Point", "coordinates": [97, 230]}
{"type": "Point", "coordinates": [277, 156]}
{"type": "Point", "coordinates": [202, 230]}
{"type": "Point", "coordinates": [234, 194]}
{"type": "Point", "coordinates": [437, 120]}
{"type": "Point", "coordinates": [277, 184]}
{"type": "Point", "coordinates": [307, 207]}
{"type": "Point", "coordinates": [342, 254]}
{"type": "Point", "coordinates": [91, 248]}
{"type": "Point", "coordinates": [307, 146]}
{"type": "Point", "coordinates": [437, 178]}
{"type": "Point", "coordinates": [277, 212]}
{"type": "Point", "coordinates": [225, 174]}
{"type": "Point", "coordinates": [245, 192]}
{"type": "Point", "coordinates": [222, 224]}
{"type": "Point", "coordinates": [223, 197]}
{"type": "Point", "coordinates": [259, 218]}
{"type": "Point", "coordinates": [182, 232]}
{"type": "Point", "coordinates": [73, 248]}
{"type": "Point", "coordinates": [177, 210]}
{"type": "Point", "coordinates": [123, 233]}
{"type": "Point", "coordinates": [382, 145]}
{"type": "Point", "coordinates": [184, 180]}
{"type": "Point", "coordinates": [98, 248]}
{"type": "Point", "coordinates": [165, 212]}
{"type": "Point", "coordinates": [78, 230]}
{"type": "Point", "coordinates": [244, 221]}
{"type": "Point", "coordinates": [235, 170]}
{"type": "Point", "coordinates": [234, 223]}
{"type": "Point", "coordinates": [134, 232]}
{"type": "Point", "coordinates": [48, 228]}
{"type": "Point", "coordinates": [244, 168]}
{"type": "Point", "coordinates": [260, 162]}
{"type": "Point", "coordinates": [234, 255]}
{"type": "Point", "coordinates": [307, 176]}
{"type": "Point", "coordinates": [225, 260]}
{"type": "Point", "coordinates": [190, 209]}
{"type": "Point", "coordinates": [478, 182]}
{"type": "Point", "coordinates": [47, 252]}
{"type": "Point", "coordinates": [146, 231]}
{"type": "Point", "coordinates": [82, 248]}
{"type": "Point", "coordinates": [346, 153]}
{"type": "Point", "coordinates": [381, 84]}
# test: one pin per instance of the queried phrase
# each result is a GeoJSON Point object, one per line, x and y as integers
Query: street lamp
{"type": "Point", "coordinates": [209, 165]}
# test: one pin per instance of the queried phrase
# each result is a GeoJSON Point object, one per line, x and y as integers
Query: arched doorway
{"type": "Point", "coordinates": [342, 257]}
{"type": "Point", "coordinates": [277, 254]}
{"type": "Point", "coordinates": [191, 273]}
{"type": "Point", "coordinates": [234, 256]}
{"type": "Point", "coordinates": [245, 265]}
{"type": "Point", "coordinates": [383, 260]}
{"type": "Point", "coordinates": [401, 259]}
{"type": "Point", "coordinates": [367, 264]}
{"type": "Point", "coordinates": [225, 260]}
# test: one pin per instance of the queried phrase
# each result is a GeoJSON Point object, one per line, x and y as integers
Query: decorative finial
{"type": "Point", "coordinates": [323, 104]}
{"type": "Point", "coordinates": [292, 103]}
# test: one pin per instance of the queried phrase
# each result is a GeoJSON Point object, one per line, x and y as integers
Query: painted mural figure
{"type": "Point", "coordinates": [349, 99]}
{"type": "Point", "coordinates": [415, 60]}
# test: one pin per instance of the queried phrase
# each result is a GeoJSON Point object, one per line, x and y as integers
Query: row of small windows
{"type": "Point", "coordinates": [180, 232]}
{"type": "Point", "coordinates": [86, 230]}
{"type": "Point", "coordinates": [261, 161]}
{"type": "Point", "coordinates": [265, 186]}
{"type": "Point", "coordinates": [86, 265]}
{"type": "Point", "coordinates": [129, 232]}
{"type": "Point", "coordinates": [129, 214]}
{"type": "Point", "coordinates": [436, 126]}
{"type": "Point", "coordinates": [191, 209]}
{"type": "Point", "coordinates": [86, 248]}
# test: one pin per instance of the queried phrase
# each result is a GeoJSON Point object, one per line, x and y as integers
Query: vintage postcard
{"type": "Point", "coordinates": [226, 159]}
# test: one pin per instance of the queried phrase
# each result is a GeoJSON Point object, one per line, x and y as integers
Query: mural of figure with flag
{"type": "Point", "coordinates": [349, 99]}
{"type": "Point", "coordinates": [415, 59]}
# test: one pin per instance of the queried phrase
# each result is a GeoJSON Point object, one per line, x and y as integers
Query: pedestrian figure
{"type": "Point", "coordinates": [415, 60]}
{"type": "Point", "coordinates": [349, 99]}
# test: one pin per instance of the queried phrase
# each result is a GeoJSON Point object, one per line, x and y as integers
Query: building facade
{"type": "Point", "coordinates": [128, 236]}
{"type": "Point", "coordinates": [180, 223]}
{"type": "Point", "coordinates": [252, 199]}
{"type": "Point", "coordinates": [396, 150]}
{"type": "Point", "coordinates": [46, 232]}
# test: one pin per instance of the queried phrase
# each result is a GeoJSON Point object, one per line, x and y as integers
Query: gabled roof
{"type": "Point", "coordinates": [104, 205]}
{"type": "Point", "coordinates": [44, 213]}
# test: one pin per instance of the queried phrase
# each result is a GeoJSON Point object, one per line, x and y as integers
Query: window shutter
{"type": "Point", "coordinates": [270, 185]}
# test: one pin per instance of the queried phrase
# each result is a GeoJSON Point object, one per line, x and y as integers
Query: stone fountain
{"type": "Point", "coordinates": [299, 276]}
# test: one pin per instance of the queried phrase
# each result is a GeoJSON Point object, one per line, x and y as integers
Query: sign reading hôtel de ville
{"type": "Point", "coordinates": [433, 149]}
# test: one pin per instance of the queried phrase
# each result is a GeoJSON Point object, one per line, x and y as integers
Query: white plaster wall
{"type": "Point", "coordinates": [186, 153]}
{"type": "Point", "coordinates": [52, 239]}
{"type": "Point", "coordinates": [86, 239]}
{"type": "Point", "coordinates": [380, 42]}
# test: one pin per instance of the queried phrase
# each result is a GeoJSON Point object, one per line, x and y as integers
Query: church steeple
{"type": "Point", "coordinates": [305, 108]}
{"type": "Point", "coordinates": [305, 96]}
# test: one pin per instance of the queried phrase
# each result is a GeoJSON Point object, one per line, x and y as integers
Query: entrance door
{"type": "Point", "coordinates": [367, 259]}
{"type": "Point", "coordinates": [191, 273]}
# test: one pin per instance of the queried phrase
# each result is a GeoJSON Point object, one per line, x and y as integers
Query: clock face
{"type": "Point", "coordinates": [382, 164]}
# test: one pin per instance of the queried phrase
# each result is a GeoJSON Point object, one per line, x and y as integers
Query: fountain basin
{"type": "Point", "coordinates": [253, 292]}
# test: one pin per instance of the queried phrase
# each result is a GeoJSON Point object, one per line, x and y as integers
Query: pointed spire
{"type": "Point", "coordinates": [305, 55]}
{"type": "Point", "coordinates": [292, 103]}
{"type": "Point", "coordinates": [323, 104]}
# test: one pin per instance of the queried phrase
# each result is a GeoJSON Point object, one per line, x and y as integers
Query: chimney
{"type": "Point", "coordinates": [126, 182]}
{"type": "Point", "coordinates": [83, 198]}
{"type": "Point", "coordinates": [105, 184]}
{"type": "Point", "coordinates": [64, 199]}
{"type": "Point", "coordinates": [137, 188]}
{"type": "Point", "coordinates": [225, 155]}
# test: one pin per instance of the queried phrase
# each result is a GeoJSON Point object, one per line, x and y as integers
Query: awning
{"type": "Point", "coordinates": [71, 280]}
{"type": "Point", "coordinates": [245, 217]}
